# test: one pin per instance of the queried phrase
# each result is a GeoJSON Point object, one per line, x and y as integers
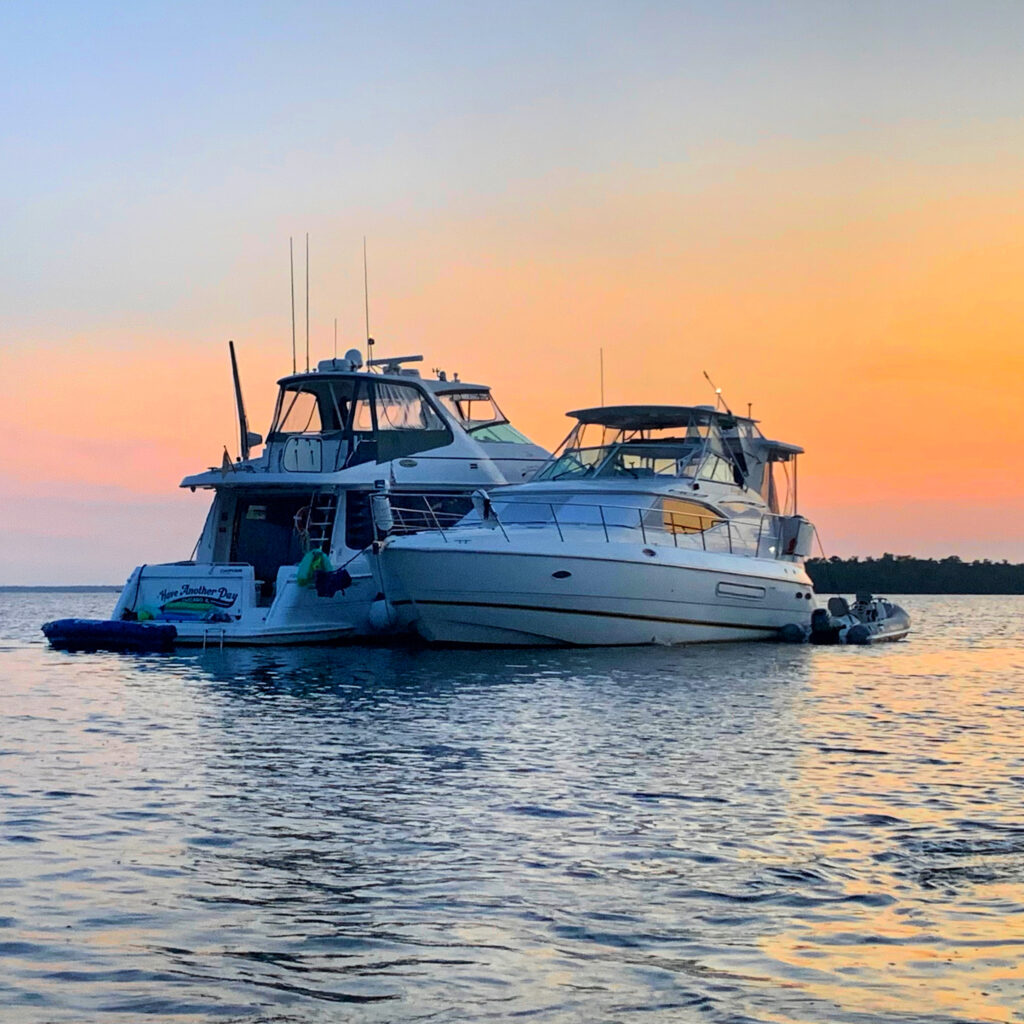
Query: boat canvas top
{"type": "Point", "coordinates": [669, 417]}
{"type": "Point", "coordinates": [708, 451]}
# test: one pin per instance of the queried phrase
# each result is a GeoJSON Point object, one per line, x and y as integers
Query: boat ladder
{"type": "Point", "coordinates": [323, 509]}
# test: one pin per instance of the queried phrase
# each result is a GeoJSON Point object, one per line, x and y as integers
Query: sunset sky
{"type": "Point", "coordinates": [821, 204]}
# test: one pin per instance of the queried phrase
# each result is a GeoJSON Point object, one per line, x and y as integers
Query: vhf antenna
{"type": "Point", "coordinates": [291, 266]}
{"type": "Point", "coordinates": [366, 302]}
{"type": "Point", "coordinates": [307, 302]}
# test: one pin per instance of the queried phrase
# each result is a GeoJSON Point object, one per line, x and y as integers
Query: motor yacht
{"type": "Point", "coordinates": [285, 553]}
{"type": "Point", "coordinates": [650, 524]}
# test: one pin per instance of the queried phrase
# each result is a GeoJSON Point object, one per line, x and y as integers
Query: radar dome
{"type": "Point", "coordinates": [355, 357]}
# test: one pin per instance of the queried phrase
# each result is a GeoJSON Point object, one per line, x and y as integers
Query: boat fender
{"type": "Point", "coordinates": [381, 615]}
{"type": "Point", "coordinates": [859, 634]}
{"type": "Point", "coordinates": [793, 633]}
{"type": "Point", "coordinates": [383, 517]}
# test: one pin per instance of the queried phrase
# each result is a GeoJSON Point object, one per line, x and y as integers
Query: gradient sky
{"type": "Point", "coordinates": [819, 203]}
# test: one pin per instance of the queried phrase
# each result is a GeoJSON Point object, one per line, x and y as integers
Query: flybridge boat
{"type": "Point", "coordinates": [285, 554]}
{"type": "Point", "coordinates": [650, 524]}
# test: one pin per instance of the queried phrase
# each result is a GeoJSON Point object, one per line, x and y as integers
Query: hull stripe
{"type": "Point", "coordinates": [600, 614]}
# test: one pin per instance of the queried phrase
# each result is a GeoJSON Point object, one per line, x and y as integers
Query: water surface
{"type": "Point", "coordinates": [730, 833]}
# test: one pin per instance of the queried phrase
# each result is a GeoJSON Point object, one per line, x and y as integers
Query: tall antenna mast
{"type": "Point", "coordinates": [335, 337]}
{"type": "Point", "coordinates": [291, 265]}
{"type": "Point", "coordinates": [307, 302]}
{"type": "Point", "coordinates": [601, 351]}
{"type": "Point", "coordinates": [366, 301]}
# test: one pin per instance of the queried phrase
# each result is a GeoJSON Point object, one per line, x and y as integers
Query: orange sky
{"type": "Point", "coordinates": [849, 262]}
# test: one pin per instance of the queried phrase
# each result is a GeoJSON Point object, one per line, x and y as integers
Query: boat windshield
{"type": "Point", "coordinates": [480, 416]}
{"type": "Point", "coordinates": [360, 406]}
{"type": "Point", "coordinates": [574, 462]}
{"type": "Point", "coordinates": [631, 460]}
{"type": "Point", "coordinates": [695, 452]}
{"type": "Point", "coordinates": [630, 510]}
{"type": "Point", "coordinates": [310, 408]}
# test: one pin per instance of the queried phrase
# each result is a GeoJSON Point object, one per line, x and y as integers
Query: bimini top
{"type": "Point", "coordinates": [654, 417]}
{"type": "Point", "coordinates": [672, 417]}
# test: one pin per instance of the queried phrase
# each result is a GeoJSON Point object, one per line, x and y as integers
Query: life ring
{"type": "Point", "coordinates": [301, 519]}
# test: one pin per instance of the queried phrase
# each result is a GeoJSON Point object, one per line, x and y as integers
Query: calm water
{"type": "Point", "coordinates": [733, 833]}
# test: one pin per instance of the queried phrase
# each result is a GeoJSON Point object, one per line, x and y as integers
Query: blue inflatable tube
{"type": "Point", "coordinates": [109, 635]}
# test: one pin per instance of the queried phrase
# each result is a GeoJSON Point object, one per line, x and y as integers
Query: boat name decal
{"type": "Point", "coordinates": [221, 597]}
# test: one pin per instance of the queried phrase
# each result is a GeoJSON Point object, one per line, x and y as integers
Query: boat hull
{"type": "Point", "coordinates": [517, 598]}
{"type": "Point", "coordinates": [212, 634]}
{"type": "Point", "coordinates": [216, 606]}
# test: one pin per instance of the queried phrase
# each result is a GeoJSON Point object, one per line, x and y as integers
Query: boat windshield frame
{"type": "Point", "coordinates": [496, 428]}
{"type": "Point", "coordinates": [342, 416]}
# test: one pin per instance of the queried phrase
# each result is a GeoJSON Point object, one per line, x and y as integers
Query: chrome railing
{"type": "Point", "coordinates": [755, 537]}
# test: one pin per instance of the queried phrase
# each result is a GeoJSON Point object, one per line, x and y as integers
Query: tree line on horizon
{"type": "Point", "coordinates": [905, 574]}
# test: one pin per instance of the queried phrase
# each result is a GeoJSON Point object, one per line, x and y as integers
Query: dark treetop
{"type": "Point", "coordinates": [904, 574]}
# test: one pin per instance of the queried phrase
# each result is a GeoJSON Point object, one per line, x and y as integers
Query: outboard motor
{"type": "Point", "coordinates": [824, 627]}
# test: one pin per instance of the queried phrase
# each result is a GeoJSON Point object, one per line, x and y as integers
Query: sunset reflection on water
{"type": "Point", "coordinates": [909, 787]}
{"type": "Point", "coordinates": [744, 832]}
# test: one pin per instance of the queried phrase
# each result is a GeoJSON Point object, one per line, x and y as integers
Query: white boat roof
{"type": "Point", "coordinates": [654, 417]}
{"type": "Point", "coordinates": [668, 417]}
{"type": "Point", "coordinates": [432, 384]}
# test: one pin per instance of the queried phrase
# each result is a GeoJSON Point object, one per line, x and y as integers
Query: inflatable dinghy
{"type": "Point", "coordinates": [869, 620]}
{"type": "Point", "coordinates": [109, 635]}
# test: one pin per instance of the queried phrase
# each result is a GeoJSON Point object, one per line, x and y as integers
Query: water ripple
{"type": "Point", "coordinates": [734, 834]}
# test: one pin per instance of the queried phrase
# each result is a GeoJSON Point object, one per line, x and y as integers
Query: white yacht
{"type": "Point", "coordinates": [286, 553]}
{"type": "Point", "coordinates": [650, 524]}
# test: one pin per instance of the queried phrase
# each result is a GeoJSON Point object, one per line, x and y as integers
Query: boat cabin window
{"type": "Point", "coordinates": [683, 516]}
{"type": "Point", "coordinates": [717, 469]}
{"type": "Point", "coordinates": [402, 420]}
{"type": "Point", "coordinates": [778, 486]}
{"type": "Point", "coordinates": [376, 420]}
{"type": "Point", "coordinates": [310, 407]}
{"type": "Point", "coordinates": [480, 416]}
{"type": "Point", "coordinates": [299, 414]}
{"type": "Point", "coordinates": [605, 511]}
{"type": "Point", "coordinates": [403, 408]}
{"type": "Point", "coordinates": [573, 510]}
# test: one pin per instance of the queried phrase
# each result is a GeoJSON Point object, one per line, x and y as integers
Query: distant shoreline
{"type": "Point", "coordinates": [904, 574]}
{"type": "Point", "coordinates": [111, 587]}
